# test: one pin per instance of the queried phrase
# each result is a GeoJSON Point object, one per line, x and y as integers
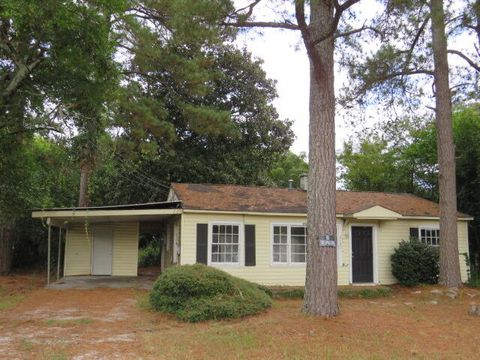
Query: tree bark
{"type": "Point", "coordinates": [449, 256]}
{"type": "Point", "coordinates": [321, 272]}
{"type": "Point", "coordinates": [85, 171]}
{"type": "Point", "coordinates": [6, 249]}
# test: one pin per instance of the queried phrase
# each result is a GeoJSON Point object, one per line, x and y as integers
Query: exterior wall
{"type": "Point", "coordinates": [387, 235]}
{"type": "Point", "coordinates": [264, 272]}
{"type": "Point", "coordinates": [125, 249]}
{"type": "Point", "coordinates": [391, 232]}
{"type": "Point", "coordinates": [78, 249]}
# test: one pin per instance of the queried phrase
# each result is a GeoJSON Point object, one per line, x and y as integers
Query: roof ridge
{"type": "Point", "coordinates": [286, 188]}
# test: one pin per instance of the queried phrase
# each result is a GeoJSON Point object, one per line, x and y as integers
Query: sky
{"type": "Point", "coordinates": [286, 62]}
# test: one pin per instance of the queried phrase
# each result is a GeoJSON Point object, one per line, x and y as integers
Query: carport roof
{"type": "Point", "coordinates": [114, 213]}
{"type": "Point", "coordinates": [150, 205]}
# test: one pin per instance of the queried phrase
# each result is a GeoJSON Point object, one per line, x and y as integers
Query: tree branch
{"type": "Point", "coordinates": [415, 41]}
{"type": "Point", "coordinates": [249, 12]}
{"type": "Point", "coordinates": [466, 58]}
{"type": "Point", "coordinates": [264, 24]}
{"type": "Point", "coordinates": [355, 31]}
{"type": "Point", "coordinates": [243, 23]}
{"type": "Point", "coordinates": [339, 9]}
{"type": "Point", "coordinates": [21, 74]}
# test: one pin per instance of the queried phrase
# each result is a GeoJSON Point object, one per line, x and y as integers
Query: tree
{"type": "Point", "coordinates": [51, 57]}
{"type": "Point", "coordinates": [319, 35]}
{"type": "Point", "coordinates": [406, 58]}
{"type": "Point", "coordinates": [414, 161]}
{"type": "Point", "coordinates": [145, 162]}
{"type": "Point", "coordinates": [289, 167]}
{"type": "Point", "coordinates": [449, 261]}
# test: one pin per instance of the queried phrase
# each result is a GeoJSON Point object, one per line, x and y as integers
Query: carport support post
{"type": "Point", "coordinates": [48, 250]}
{"type": "Point", "coordinates": [59, 254]}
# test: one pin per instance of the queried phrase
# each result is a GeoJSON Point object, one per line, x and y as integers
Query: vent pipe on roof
{"type": "Point", "coordinates": [290, 184]}
{"type": "Point", "coordinates": [304, 182]}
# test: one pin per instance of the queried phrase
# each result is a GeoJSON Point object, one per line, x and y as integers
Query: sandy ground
{"type": "Point", "coordinates": [42, 323]}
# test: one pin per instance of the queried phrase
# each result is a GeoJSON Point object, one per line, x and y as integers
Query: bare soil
{"type": "Point", "coordinates": [117, 324]}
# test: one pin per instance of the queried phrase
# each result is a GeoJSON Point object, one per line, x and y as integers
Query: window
{"type": "Point", "coordinates": [289, 244]}
{"type": "Point", "coordinates": [225, 244]}
{"type": "Point", "coordinates": [430, 236]}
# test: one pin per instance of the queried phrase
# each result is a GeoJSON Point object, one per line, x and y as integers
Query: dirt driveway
{"type": "Point", "coordinates": [115, 324]}
{"type": "Point", "coordinates": [77, 324]}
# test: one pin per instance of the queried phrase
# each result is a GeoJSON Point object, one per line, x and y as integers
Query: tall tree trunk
{"type": "Point", "coordinates": [321, 277]}
{"type": "Point", "coordinates": [85, 171]}
{"type": "Point", "coordinates": [6, 249]}
{"type": "Point", "coordinates": [449, 257]}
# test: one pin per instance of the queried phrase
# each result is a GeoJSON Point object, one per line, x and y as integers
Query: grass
{"type": "Point", "coordinates": [143, 301]}
{"type": "Point", "coordinates": [343, 292]}
{"type": "Point", "coordinates": [69, 322]}
{"type": "Point", "coordinates": [9, 301]}
{"type": "Point", "coordinates": [474, 279]}
{"type": "Point", "coordinates": [26, 345]}
{"type": "Point", "coordinates": [404, 325]}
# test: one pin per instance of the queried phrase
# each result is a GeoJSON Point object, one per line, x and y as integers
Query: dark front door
{"type": "Point", "coordinates": [362, 254]}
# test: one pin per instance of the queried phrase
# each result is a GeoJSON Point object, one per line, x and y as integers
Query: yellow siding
{"type": "Point", "coordinates": [391, 232]}
{"type": "Point", "coordinates": [125, 249]}
{"type": "Point", "coordinates": [78, 249]}
{"type": "Point", "coordinates": [264, 272]}
{"type": "Point", "coordinates": [388, 233]}
{"type": "Point", "coordinates": [377, 212]}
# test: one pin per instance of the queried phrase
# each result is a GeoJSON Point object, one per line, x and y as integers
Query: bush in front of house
{"type": "Point", "coordinates": [414, 262]}
{"type": "Point", "coordinates": [197, 293]}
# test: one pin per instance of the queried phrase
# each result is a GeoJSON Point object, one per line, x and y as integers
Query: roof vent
{"type": "Point", "coordinates": [304, 182]}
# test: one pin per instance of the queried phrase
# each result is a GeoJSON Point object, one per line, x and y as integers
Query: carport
{"type": "Point", "coordinates": [103, 240]}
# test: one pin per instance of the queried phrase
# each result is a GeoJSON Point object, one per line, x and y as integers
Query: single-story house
{"type": "Point", "coordinates": [257, 233]}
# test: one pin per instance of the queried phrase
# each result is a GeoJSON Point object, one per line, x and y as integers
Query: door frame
{"type": "Point", "coordinates": [374, 227]}
{"type": "Point", "coordinates": [94, 228]}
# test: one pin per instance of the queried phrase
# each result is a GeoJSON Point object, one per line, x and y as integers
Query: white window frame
{"type": "Point", "coordinates": [429, 227]}
{"type": "Point", "coordinates": [241, 243]}
{"type": "Point", "coordinates": [289, 244]}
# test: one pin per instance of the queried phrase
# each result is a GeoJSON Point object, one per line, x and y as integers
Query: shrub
{"type": "Point", "coordinates": [149, 255]}
{"type": "Point", "coordinates": [365, 293]}
{"type": "Point", "coordinates": [350, 293]}
{"type": "Point", "coordinates": [473, 272]}
{"type": "Point", "coordinates": [197, 292]}
{"type": "Point", "coordinates": [415, 263]}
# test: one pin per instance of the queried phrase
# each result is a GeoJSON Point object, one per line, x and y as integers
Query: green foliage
{"type": "Point", "coordinates": [289, 167]}
{"type": "Point", "coordinates": [401, 156]}
{"type": "Point", "coordinates": [182, 149]}
{"type": "Point", "coordinates": [365, 293]}
{"type": "Point", "coordinates": [415, 263]}
{"type": "Point", "coordinates": [197, 293]}
{"type": "Point", "coordinates": [149, 255]}
{"type": "Point", "coordinates": [343, 292]}
{"type": "Point", "coordinates": [473, 272]}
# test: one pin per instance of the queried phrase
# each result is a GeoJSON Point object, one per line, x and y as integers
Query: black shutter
{"type": "Point", "coordinates": [202, 243]}
{"type": "Point", "coordinates": [414, 233]}
{"type": "Point", "coordinates": [249, 245]}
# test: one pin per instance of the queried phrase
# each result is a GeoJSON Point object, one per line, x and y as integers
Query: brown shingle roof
{"type": "Point", "coordinates": [281, 200]}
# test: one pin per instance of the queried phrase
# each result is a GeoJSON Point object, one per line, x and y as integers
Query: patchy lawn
{"type": "Point", "coordinates": [116, 323]}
